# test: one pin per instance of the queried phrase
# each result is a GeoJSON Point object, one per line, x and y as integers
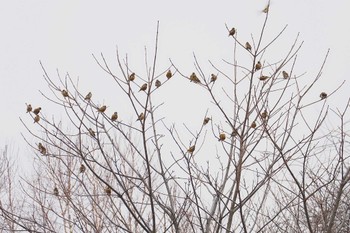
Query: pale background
{"type": "Point", "coordinates": [63, 35]}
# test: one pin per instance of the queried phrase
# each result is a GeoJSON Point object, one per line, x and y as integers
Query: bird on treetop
{"type": "Point", "coordinates": [143, 87]}
{"type": "Point", "coordinates": [114, 116]}
{"type": "Point", "coordinates": [169, 74]}
{"type": "Point", "coordinates": [29, 108]}
{"type": "Point", "coordinates": [206, 120]}
{"type": "Point", "coordinates": [102, 108]}
{"type": "Point", "coordinates": [248, 46]}
{"type": "Point", "coordinates": [232, 32]}
{"type": "Point", "coordinates": [88, 96]}
{"type": "Point", "coordinates": [158, 83]}
{"type": "Point", "coordinates": [213, 78]}
{"type": "Point", "coordinates": [64, 93]}
{"type": "Point", "coordinates": [132, 77]}
{"type": "Point", "coordinates": [36, 111]}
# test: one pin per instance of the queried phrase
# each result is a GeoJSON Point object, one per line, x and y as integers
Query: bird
{"type": "Point", "coordinates": [263, 77]}
{"type": "Point", "coordinates": [285, 74]}
{"type": "Point", "coordinates": [143, 87]}
{"type": "Point", "coordinates": [222, 137]}
{"type": "Point", "coordinates": [232, 32]}
{"type": "Point", "coordinates": [266, 9]}
{"type": "Point", "coordinates": [92, 132]}
{"type": "Point", "coordinates": [258, 66]}
{"type": "Point", "coordinates": [114, 116]}
{"type": "Point", "coordinates": [82, 168]}
{"type": "Point", "coordinates": [194, 78]}
{"type": "Point", "coordinates": [141, 117]}
{"type": "Point", "coordinates": [169, 74]}
{"type": "Point", "coordinates": [132, 77]}
{"type": "Point", "coordinates": [36, 118]}
{"type": "Point", "coordinates": [88, 96]}
{"type": "Point", "coordinates": [323, 95]}
{"type": "Point", "coordinates": [41, 148]}
{"type": "Point", "coordinates": [64, 93]}
{"type": "Point", "coordinates": [36, 111]}
{"type": "Point", "coordinates": [108, 191]}
{"type": "Point", "coordinates": [206, 120]}
{"type": "Point", "coordinates": [213, 78]}
{"type": "Point", "coordinates": [29, 108]}
{"type": "Point", "coordinates": [55, 191]}
{"type": "Point", "coordinates": [264, 115]}
{"type": "Point", "coordinates": [248, 46]}
{"type": "Point", "coordinates": [102, 108]}
{"type": "Point", "coordinates": [253, 125]}
{"type": "Point", "coordinates": [191, 149]}
{"type": "Point", "coordinates": [234, 133]}
{"type": "Point", "coordinates": [158, 83]}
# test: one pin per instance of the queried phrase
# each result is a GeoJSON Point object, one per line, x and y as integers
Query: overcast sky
{"type": "Point", "coordinates": [63, 35]}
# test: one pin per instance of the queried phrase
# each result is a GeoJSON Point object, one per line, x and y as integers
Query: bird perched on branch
{"type": "Point", "coordinates": [248, 46]}
{"type": "Point", "coordinates": [253, 125]}
{"type": "Point", "coordinates": [82, 168]}
{"type": "Point", "coordinates": [88, 96]}
{"type": "Point", "coordinates": [36, 118]}
{"type": "Point", "coordinates": [64, 93]}
{"type": "Point", "coordinates": [55, 191]}
{"type": "Point", "coordinates": [36, 111]}
{"type": "Point", "coordinates": [323, 95]}
{"type": "Point", "coordinates": [141, 117]}
{"type": "Point", "coordinates": [213, 78]}
{"type": "Point", "coordinates": [92, 132]}
{"type": "Point", "coordinates": [169, 74]}
{"type": "Point", "coordinates": [132, 77]}
{"type": "Point", "coordinates": [258, 65]}
{"type": "Point", "coordinates": [266, 9]}
{"type": "Point", "coordinates": [222, 137]}
{"type": "Point", "coordinates": [264, 115]}
{"type": "Point", "coordinates": [191, 149]}
{"type": "Point", "coordinates": [206, 120]}
{"type": "Point", "coordinates": [102, 108]}
{"type": "Point", "coordinates": [114, 116]}
{"type": "Point", "coordinates": [108, 191]}
{"type": "Point", "coordinates": [29, 108]}
{"type": "Point", "coordinates": [41, 148]}
{"type": "Point", "coordinates": [232, 32]}
{"type": "Point", "coordinates": [158, 83]}
{"type": "Point", "coordinates": [263, 78]}
{"type": "Point", "coordinates": [143, 87]}
{"type": "Point", "coordinates": [285, 74]}
{"type": "Point", "coordinates": [194, 78]}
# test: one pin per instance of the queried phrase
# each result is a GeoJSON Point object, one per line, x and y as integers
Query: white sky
{"type": "Point", "coordinates": [63, 35]}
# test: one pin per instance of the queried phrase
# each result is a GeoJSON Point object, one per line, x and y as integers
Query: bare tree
{"type": "Point", "coordinates": [259, 160]}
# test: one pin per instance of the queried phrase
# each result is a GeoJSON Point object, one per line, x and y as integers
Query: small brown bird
{"type": "Point", "coordinates": [206, 120]}
{"type": "Point", "coordinates": [222, 137]}
{"type": "Point", "coordinates": [191, 149]}
{"type": "Point", "coordinates": [102, 108]}
{"type": "Point", "coordinates": [285, 74]}
{"type": "Point", "coordinates": [194, 78]}
{"type": "Point", "coordinates": [264, 115]}
{"type": "Point", "coordinates": [213, 78]}
{"type": "Point", "coordinates": [92, 132]}
{"type": "Point", "coordinates": [143, 87]}
{"type": "Point", "coordinates": [55, 191]}
{"type": "Point", "coordinates": [158, 83]}
{"type": "Point", "coordinates": [88, 96]}
{"type": "Point", "coordinates": [232, 32]}
{"type": "Point", "coordinates": [323, 95]}
{"type": "Point", "coordinates": [248, 46]}
{"type": "Point", "coordinates": [258, 65]}
{"type": "Point", "coordinates": [36, 118]}
{"type": "Point", "coordinates": [29, 108]}
{"type": "Point", "coordinates": [108, 191]}
{"type": "Point", "coordinates": [266, 9]}
{"type": "Point", "coordinates": [253, 125]}
{"type": "Point", "coordinates": [36, 111]}
{"type": "Point", "coordinates": [82, 168]}
{"type": "Point", "coordinates": [64, 93]}
{"type": "Point", "coordinates": [41, 148]}
{"type": "Point", "coordinates": [169, 74]}
{"type": "Point", "coordinates": [141, 117]}
{"type": "Point", "coordinates": [234, 133]}
{"type": "Point", "coordinates": [132, 77]}
{"type": "Point", "coordinates": [114, 116]}
{"type": "Point", "coordinates": [263, 77]}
